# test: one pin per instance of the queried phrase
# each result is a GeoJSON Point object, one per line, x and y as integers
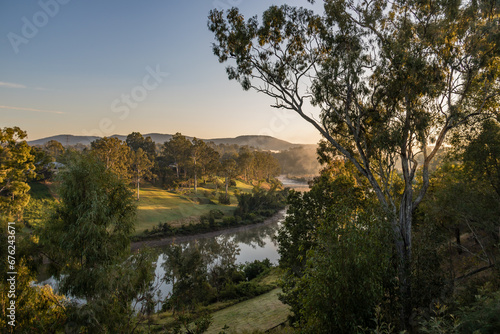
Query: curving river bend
{"type": "Point", "coordinates": [247, 243]}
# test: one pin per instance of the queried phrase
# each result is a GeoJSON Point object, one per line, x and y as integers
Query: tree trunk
{"type": "Point", "coordinates": [403, 249]}
{"type": "Point", "coordinates": [195, 177]}
{"type": "Point", "coordinates": [227, 184]}
{"type": "Point", "coordinates": [457, 238]}
{"type": "Point", "coordinates": [195, 182]}
{"type": "Point", "coordinates": [138, 182]}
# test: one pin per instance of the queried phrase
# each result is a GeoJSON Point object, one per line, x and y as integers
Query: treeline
{"type": "Point", "coordinates": [299, 161]}
{"type": "Point", "coordinates": [177, 163]}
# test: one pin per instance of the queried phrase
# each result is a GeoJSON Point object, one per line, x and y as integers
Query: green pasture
{"type": "Point", "coordinates": [181, 207]}
{"type": "Point", "coordinates": [261, 313]}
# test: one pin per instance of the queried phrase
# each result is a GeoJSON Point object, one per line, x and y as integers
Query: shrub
{"type": "Point", "coordinates": [224, 199]}
{"type": "Point", "coordinates": [483, 315]}
{"type": "Point", "coordinates": [256, 268]}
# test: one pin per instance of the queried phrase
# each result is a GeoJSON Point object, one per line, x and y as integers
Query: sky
{"type": "Point", "coordinates": [118, 66]}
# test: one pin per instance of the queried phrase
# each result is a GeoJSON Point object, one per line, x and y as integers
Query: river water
{"type": "Point", "coordinates": [254, 242]}
{"type": "Point", "coordinates": [246, 244]}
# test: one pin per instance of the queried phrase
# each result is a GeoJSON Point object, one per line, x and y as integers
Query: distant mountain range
{"type": "Point", "coordinates": [261, 142]}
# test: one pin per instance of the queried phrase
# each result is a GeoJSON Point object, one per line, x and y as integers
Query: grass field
{"type": "Point", "coordinates": [260, 313]}
{"type": "Point", "coordinates": [158, 205]}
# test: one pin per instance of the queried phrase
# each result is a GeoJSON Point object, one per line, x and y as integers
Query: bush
{"type": "Point", "coordinates": [256, 268]}
{"type": "Point", "coordinates": [216, 214]}
{"type": "Point", "coordinates": [483, 315]}
{"type": "Point", "coordinates": [224, 199]}
{"type": "Point", "coordinates": [242, 290]}
{"type": "Point", "coordinates": [260, 203]}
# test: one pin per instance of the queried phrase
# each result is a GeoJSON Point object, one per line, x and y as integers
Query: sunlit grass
{"type": "Point", "coordinates": [260, 313]}
{"type": "Point", "coordinates": [177, 208]}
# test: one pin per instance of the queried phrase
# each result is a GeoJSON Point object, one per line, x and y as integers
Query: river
{"type": "Point", "coordinates": [249, 243]}
{"type": "Point", "coordinates": [246, 243]}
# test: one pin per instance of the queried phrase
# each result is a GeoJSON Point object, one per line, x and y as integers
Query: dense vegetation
{"type": "Point", "coordinates": [339, 272]}
{"type": "Point", "coordinates": [390, 82]}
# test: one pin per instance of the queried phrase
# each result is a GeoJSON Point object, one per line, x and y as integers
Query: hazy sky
{"type": "Point", "coordinates": [118, 66]}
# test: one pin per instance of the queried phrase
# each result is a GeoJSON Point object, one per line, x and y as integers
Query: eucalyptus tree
{"type": "Point", "coordinates": [388, 79]}
{"type": "Point", "coordinates": [204, 159]}
{"type": "Point", "coordinates": [16, 168]}
{"type": "Point", "coordinates": [229, 168]}
{"type": "Point", "coordinates": [135, 141]}
{"type": "Point", "coordinates": [140, 166]}
{"type": "Point", "coordinates": [54, 148]}
{"type": "Point", "coordinates": [265, 165]}
{"type": "Point", "coordinates": [114, 153]}
{"type": "Point", "coordinates": [245, 159]}
{"type": "Point", "coordinates": [178, 151]}
{"type": "Point", "coordinates": [197, 154]}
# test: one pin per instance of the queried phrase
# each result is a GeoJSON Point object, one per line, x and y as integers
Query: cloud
{"type": "Point", "coordinates": [11, 85]}
{"type": "Point", "coordinates": [31, 109]}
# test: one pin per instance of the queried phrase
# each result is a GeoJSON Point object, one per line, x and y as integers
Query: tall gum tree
{"type": "Point", "coordinates": [389, 79]}
{"type": "Point", "coordinates": [16, 168]}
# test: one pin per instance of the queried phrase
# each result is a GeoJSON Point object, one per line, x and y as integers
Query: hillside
{"type": "Point", "coordinates": [261, 142]}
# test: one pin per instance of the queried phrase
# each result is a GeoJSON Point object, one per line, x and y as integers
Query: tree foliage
{"type": "Point", "coordinates": [178, 152]}
{"type": "Point", "coordinates": [54, 148]}
{"type": "Point", "coordinates": [136, 141]}
{"type": "Point", "coordinates": [333, 245]}
{"type": "Point", "coordinates": [114, 154]}
{"type": "Point", "coordinates": [90, 227]}
{"type": "Point", "coordinates": [388, 78]}
{"type": "Point", "coordinates": [140, 167]}
{"type": "Point", "coordinates": [37, 310]}
{"type": "Point", "coordinates": [16, 167]}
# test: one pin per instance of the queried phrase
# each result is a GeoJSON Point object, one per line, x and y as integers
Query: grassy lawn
{"type": "Point", "coordinates": [159, 205]}
{"type": "Point", "coordinates": [260, 313]}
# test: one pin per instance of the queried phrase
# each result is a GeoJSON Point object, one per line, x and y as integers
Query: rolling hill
{"type": "Point", "coordinates": [261, 142]}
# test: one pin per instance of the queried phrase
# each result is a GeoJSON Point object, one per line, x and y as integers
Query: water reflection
{"type": "Point", "coordinates": [247, 244]}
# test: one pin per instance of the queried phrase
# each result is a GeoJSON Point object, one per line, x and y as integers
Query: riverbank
{"type": "Point", "coordinates": [184, 238]}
